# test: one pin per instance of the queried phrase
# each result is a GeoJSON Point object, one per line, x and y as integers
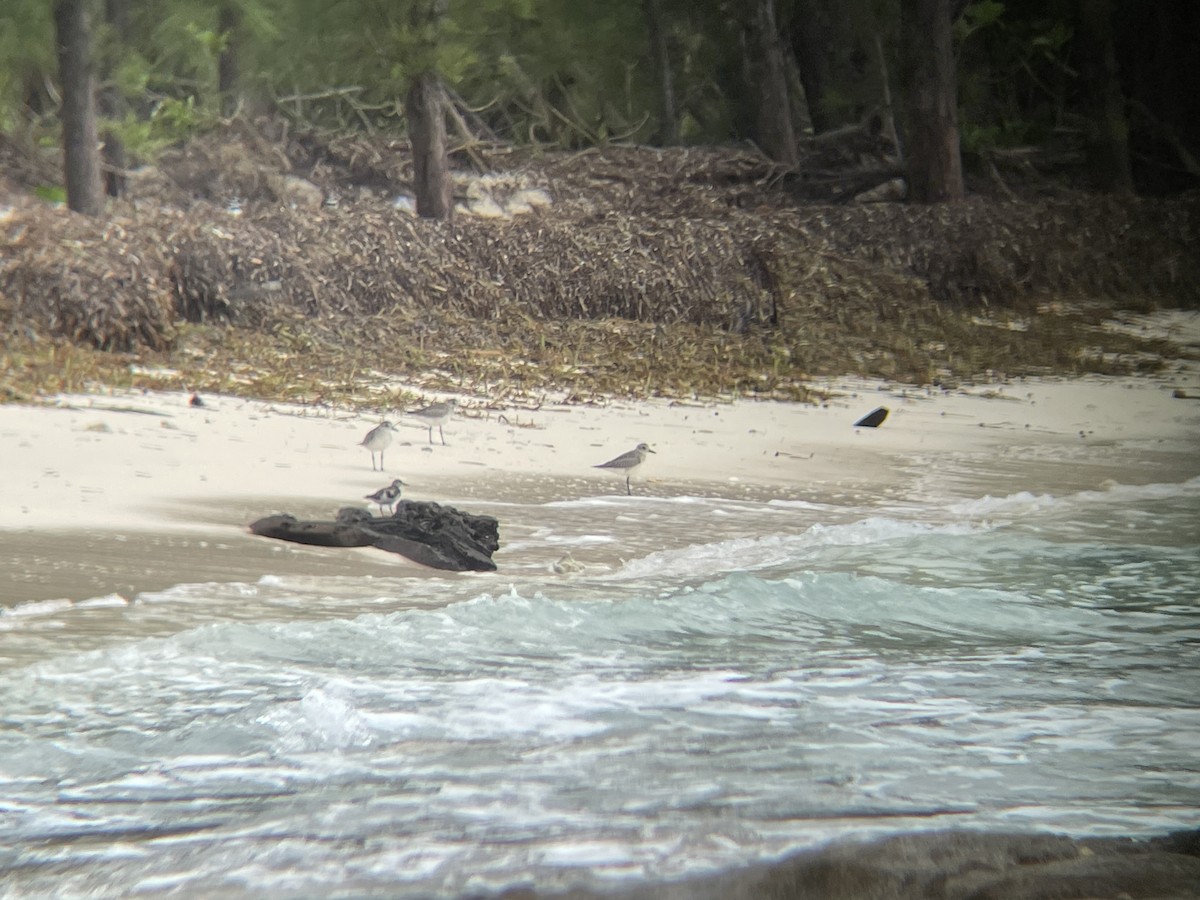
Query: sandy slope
{"type": "Point", "coordinates": [124, 492]}
{"type": "Point", "coordinates": [143, 461]}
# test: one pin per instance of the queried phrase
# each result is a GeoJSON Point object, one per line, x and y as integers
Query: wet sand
{"type": "Point", "coordinates": [952, 866]}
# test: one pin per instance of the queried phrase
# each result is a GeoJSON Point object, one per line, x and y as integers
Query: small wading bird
{"type": "Point", "coordinates": [387, 496]}
{"type": "Point", "coordinates": [377, 440]}
{"type": "Point", "coordinates": [628, 463]}
{"type": "Point", "coordinates": [435, 414]}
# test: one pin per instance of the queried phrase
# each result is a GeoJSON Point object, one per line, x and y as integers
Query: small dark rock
{"type": "Point", "coordinates": [873, 419]}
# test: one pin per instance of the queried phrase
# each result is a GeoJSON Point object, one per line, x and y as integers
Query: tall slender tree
{"type": "Point", "coordinates": [668, 129]}
{"type": "Point", "coordinates": [80, 147]}
{"type": "Point", "coordinates": [229, 20]}
{"type": "Point", "coordinates": [776, 127]}
{"type": "Point", "coordinates": [425, 109]}
{"type": "Point", "coordinates": [933, 159]}
{"type": "Point", "coordinates": [111, 99]}
{"type": "Point", "coordinates": [812, 37]}
{"type": "Point", "coordinates": [1108, 138]}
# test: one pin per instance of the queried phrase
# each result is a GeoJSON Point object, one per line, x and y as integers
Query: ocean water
{"type": "Point", "coordinates": [720, 682]}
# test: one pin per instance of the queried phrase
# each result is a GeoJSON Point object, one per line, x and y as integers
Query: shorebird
{"type": "Point", "coordinates": [628, 463]}
{"type": "Point", "coordinates": [378, 438]}
{"type": "Point", "coordinates": [387, 496]}
{"type": "Point", "coordinates": [435, 414]}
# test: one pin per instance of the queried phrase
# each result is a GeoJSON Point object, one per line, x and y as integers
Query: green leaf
{"type": "Point", "coordinates": [51, 193]}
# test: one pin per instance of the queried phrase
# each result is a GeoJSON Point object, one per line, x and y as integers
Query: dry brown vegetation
{"type": "Point", "coordinates": [682, 271]}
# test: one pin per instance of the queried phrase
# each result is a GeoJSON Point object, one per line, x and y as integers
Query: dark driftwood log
{"type": "Point", "coordinates": [438, 536]}
{"type": "Point", "coordinates": [320, 534]}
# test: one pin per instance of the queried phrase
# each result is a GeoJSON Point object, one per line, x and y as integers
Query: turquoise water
{"type": "Point", "coordinates": [774, 676]}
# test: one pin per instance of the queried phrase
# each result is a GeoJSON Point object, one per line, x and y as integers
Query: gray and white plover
{"type": "Point", "coordinates": [377, 440]}
{"type": "Point", "coordinates": [435, 414]}
{"type": "Point", "coordinates": [628, 462]}
{"type": "Point", "coordinates": [387, 496]}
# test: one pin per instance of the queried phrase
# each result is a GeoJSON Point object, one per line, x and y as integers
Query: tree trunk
{"type": "Point", "coordinates": [1108, 138]}
{"type": "Point", "coordinates": [811, 39]}
{"type": "Point", "coordinates": [669, 126]}
{"type": "Point", "coordinates": [776, 131]}
{"type": "Point", "coordinates": [431, 163]}
{"type": "Point", "coordinates": [80, 148]}
{"type": "Point", "coordinates": [229, 18]}
{"type": "Point", "coordinates": [112, 102]}
{"type": "Point", "coordinates": [933, 161]}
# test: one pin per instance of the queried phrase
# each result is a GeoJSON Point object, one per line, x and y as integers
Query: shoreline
{"type": "Point", "coordinates": [144, 507]}
{"type": "Point", "coordinates": [949, 865]}
{"type": "Point", "coordinates": [120, 492]}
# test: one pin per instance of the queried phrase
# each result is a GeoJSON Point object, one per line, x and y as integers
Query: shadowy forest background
{"type": "Point", "coordinates": [283, 196]}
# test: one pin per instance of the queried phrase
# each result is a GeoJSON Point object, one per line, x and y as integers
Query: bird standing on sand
{"type": "Point", "coordinates": [435, 414]}
{"type": "Point", "coordinates": [628, 463]}
{"type": "Point", "coordinates": [387, 496]}
{"type": "Point", "coordinates": [378, 439]}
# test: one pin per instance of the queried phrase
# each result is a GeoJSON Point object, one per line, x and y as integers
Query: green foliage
{"type": "Point", "coordinates": [567, 72]}
{"type": "Point", "coordinates": [26, 53]}
{"type": "Point", "coordinates": [51, 193]}
{"type": "Point", "coordinates": [1014, 80]}
{"type": "Point", "coordinates": [171, 122]}
{"type": "Point", "coordinates": [132, 75]}
{"type": "Point", "coordinates": [1051, 42]}
{"type": "Point", "coordinates": [977, 16]}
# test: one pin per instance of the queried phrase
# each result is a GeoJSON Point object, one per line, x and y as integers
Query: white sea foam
{"type": "Point", "coordinates": [749, 554]}
{"type": "Point", "coordinates": [711, 703]}
{"type": "Point", "coordinates": [799, 504]}
{"type": "Point", "coordinates": [1023, 502]}
{"type": "Point", "coordinates": [44, 613]}
{"type": "Point", "coordinates": [105, 602]}
{"type": "Point", "coordinates": [35, 608]}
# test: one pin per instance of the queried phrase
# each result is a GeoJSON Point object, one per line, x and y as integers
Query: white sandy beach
{"type": "Point", "coordinates": [128, 467]}
{"type": "Point", "coordinates": [886, 661]}
{"type": "Point", "coordinates": [143, 460]}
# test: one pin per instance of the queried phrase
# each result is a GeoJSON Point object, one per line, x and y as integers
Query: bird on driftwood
{"type": "Point", "coordinates": [387, 496]}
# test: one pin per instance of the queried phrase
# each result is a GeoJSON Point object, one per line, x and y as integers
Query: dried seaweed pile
{"type": "Point", "coordinates": [633, 267]}
{"type": "Point", "coordinates": [377, 260]}
{"type": "Point", "coordinates": [676, 183]}
{"type": "Point", "coordinates": [100, 283]}
{"type": "Point", "coordinates": [338, 264]}
{"type": "Point", "coordinates": [689, 258]}
{"type": "Point", "coordinates": [1139, 252]}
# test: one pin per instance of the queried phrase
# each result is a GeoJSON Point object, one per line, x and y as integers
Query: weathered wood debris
{"type": "Point", "coordinates": [441, 537]}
